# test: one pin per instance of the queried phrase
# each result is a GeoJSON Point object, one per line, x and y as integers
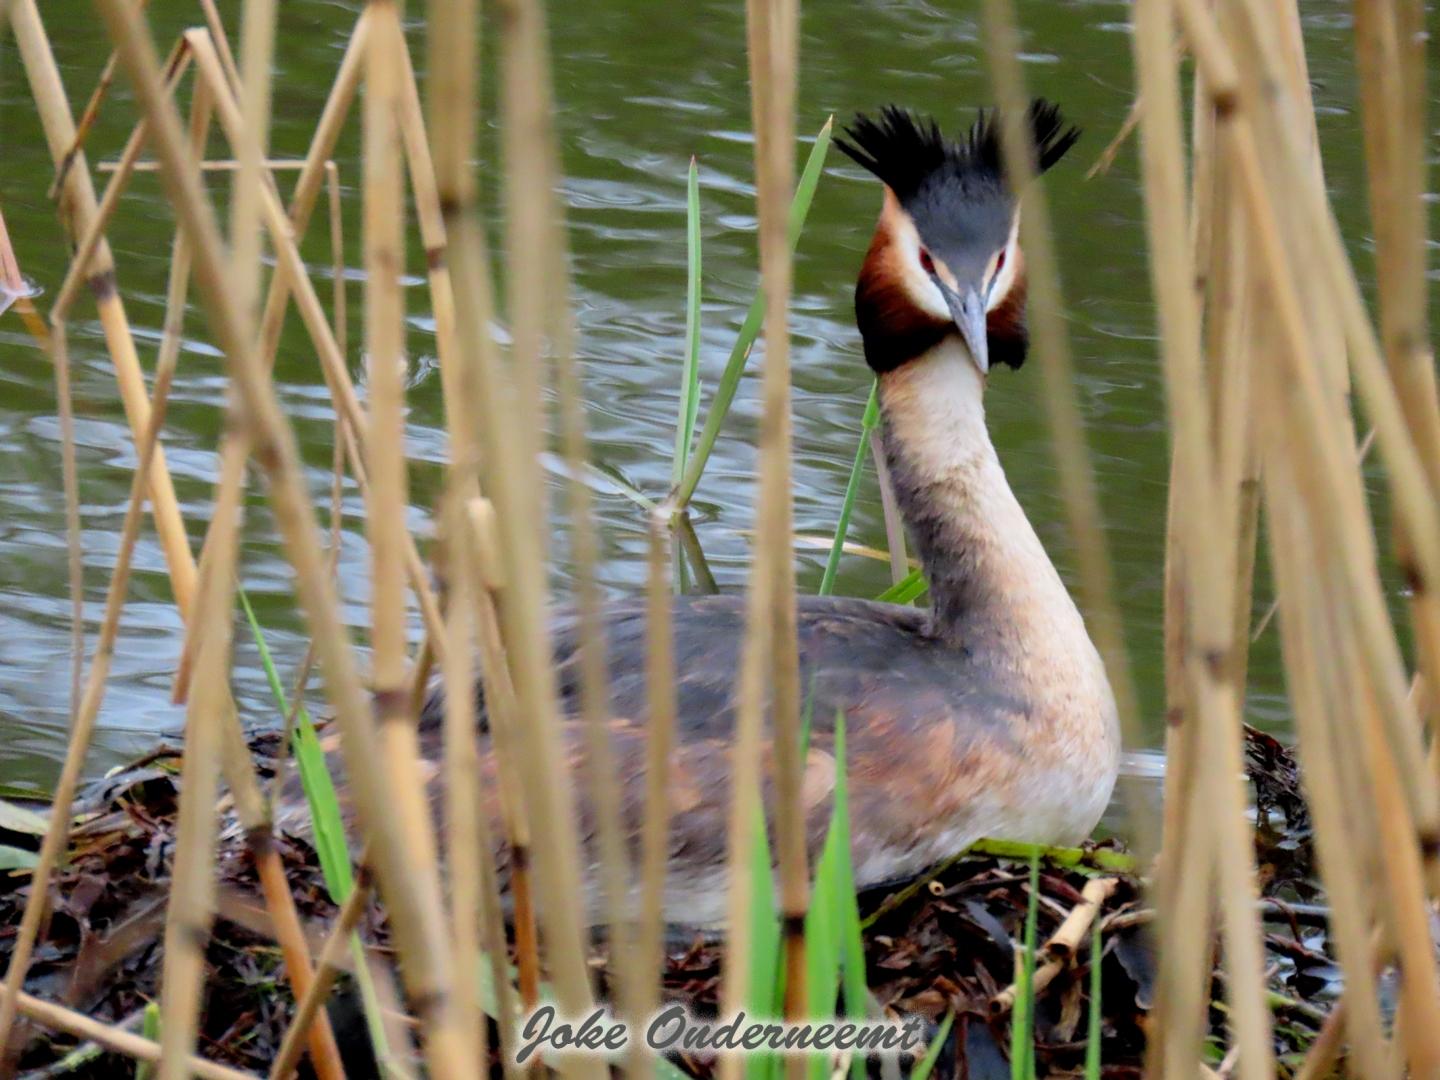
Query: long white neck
{"type": "Point", "coordinates": [991, 583]}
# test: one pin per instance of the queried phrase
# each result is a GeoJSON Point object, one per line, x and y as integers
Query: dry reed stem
{"type": "Point", "coordinates": [1060, 948]}
{"type": "Point", "coordinates": [1206, 563]}
{"type": "Point", "coordinates": [1324, 1052]}
{"type": "Point", "coordinates": [463, 803]}
{"type": "Point", "coordinates": [80, 263]}
{"type": "Point", "coordinates": [1346, 882]}
{"type": "Point", "coordinates": [1394, 133]}
{"type": "Point", "coordinates": [86, 122]}
{"type": "Point", "coordinates": [517, 487]}
{"type": "Point", "coordinates": [478, 544]}
{"type": "Point", "coordinates": [662, 706]}
{"type": "Point", "coordinates": [192, 885]}
{"type": "Point", "coordinates": [145, 165]}
{"type": "Point", "coordinates": [1344, 511]}
{"type": "Point", "coordinates": [388, 501]}
{"type": "Point", "coordinates": [216, 27]}
{"type": "Point", "coordinates": [307, 184]}
{"type": "Point", "coordinates": [1404, 893]}
{"type": "Point", "coordinates": [190, 911]}
{"type": "Point", "coordinates": [634, 961]}
{"type": "Point", "coordinates": [411, 890]}
{"type": "Point", "coordinates": [59, 1018]}
{"type": "Point", "coordinates": [251, 806]}
{"type": "Point", "coordinates": [772, 26]}
{"type": "Point", "coordinates": [307, 301]}
{"type": "Point", "coordinates": [83, 724]}
{"type": "Point", "coordinates": [1052, 348]}
{"type": "Point", "coordinates": [77, 209]}
{"type": "Point", "coordinates": [248, 801]}
{"type": "Point", "coordinates": [307, 1010]}
{"type": "Point", "coordinates": [1391, 61]}
{"type": "Point", "coordinates": [474, 441]}
{"type": "Point", "coordinates": [1377, 644]}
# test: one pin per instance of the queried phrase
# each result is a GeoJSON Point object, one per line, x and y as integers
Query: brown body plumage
{"type": "Point", "coordinates": [987, 715]}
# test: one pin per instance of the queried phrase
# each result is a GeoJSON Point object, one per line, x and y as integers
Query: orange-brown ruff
{"type": "Point", "coordinates": [987, 715]}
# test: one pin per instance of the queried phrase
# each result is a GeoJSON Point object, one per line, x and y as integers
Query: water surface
{"type": "Point", "coordinates": [642, 85]}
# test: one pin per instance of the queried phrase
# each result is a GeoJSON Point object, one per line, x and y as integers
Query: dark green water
{"type": "Point", "coordinates": [642, 85]}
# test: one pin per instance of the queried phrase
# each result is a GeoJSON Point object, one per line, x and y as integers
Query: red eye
{"type": "Point", "coordinates": [1000, 262]}
{"type": "Point", "coordinates": [926, 263]}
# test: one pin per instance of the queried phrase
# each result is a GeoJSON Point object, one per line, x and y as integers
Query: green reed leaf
{"type": "Point", "coordinates": [690, 378]}
{"type": "Point", "coordinates": [852, 488]}
{"type": "Point", "coordinates": [750, 329]}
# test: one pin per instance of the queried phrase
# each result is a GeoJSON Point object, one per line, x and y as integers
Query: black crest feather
{"type": "Point", "coordinates": [904, 150]}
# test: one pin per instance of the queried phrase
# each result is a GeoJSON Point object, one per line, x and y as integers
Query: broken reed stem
{"type": "Point", "coordinates": [409, 887]}
{"type": "Point", "coordinates": [77, 209]}
{"type": "Point", "coordinates": [87, 121]}
{"type": "Point", "coordinates": [1059, 950]}
{"type": "Point", "coordinates": [59, 1018]}
{"type": "Point", "coordinates": [79, 271]}
{"type": "Point", "coordinates": [1052, 347]}
{"type": "Point", "coordinates": [307, 184]}
{"type": "Point", "coordinates": [772, 29]}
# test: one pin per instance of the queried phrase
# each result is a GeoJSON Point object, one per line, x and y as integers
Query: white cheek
{"type": "Point", "coordinates": [919, 285]}
{"type": "Point", "coordinates": [1006, 278]}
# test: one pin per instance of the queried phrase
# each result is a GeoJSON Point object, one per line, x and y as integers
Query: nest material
{"type": "Point", "coordinates": [945, 944]}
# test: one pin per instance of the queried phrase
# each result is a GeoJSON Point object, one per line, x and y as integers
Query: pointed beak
{"type": "Point", "coordinates": [967, 308]}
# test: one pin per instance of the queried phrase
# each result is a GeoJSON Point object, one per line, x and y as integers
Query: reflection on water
{"type": "Point", "coordinates": [642, 85]}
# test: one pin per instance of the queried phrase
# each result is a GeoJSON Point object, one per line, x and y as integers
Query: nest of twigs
{"type": "Point", "coordinates": [945, 943]}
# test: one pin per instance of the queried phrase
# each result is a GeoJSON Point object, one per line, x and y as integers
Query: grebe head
{"type": "Point", "coordinates": [946, 255]}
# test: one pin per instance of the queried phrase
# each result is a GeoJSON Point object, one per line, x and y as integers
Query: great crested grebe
{"type": "Point", "coordinates": [990, 713]}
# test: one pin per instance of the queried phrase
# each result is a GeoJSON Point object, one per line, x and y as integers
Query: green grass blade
{"type": "Point", "coordinates": [150, 1029]}
{"type": "Point", "coordinates": [326, 822]}
{"type": "Point", "coordinates": [911, 587]}
{"type": "Point", "coordinates": [1022, 1021]}
{"type": "Point", "coordinates": [750, 329]}
{"type": "Point", "coordinates": [690, 380]}
{"type": "Point", "coordinates": [822, 953]}
{"type": "Point", "coordinates": [852, 487]}
{"type": "Point", "coordinates": [926, 1065]}
{"type": "Point", "coordinates": [1092, 1027]}
{"type": "Point", "coordinates": [832, 925]}
{"type": "Point", "coordinates": [852, 946]}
